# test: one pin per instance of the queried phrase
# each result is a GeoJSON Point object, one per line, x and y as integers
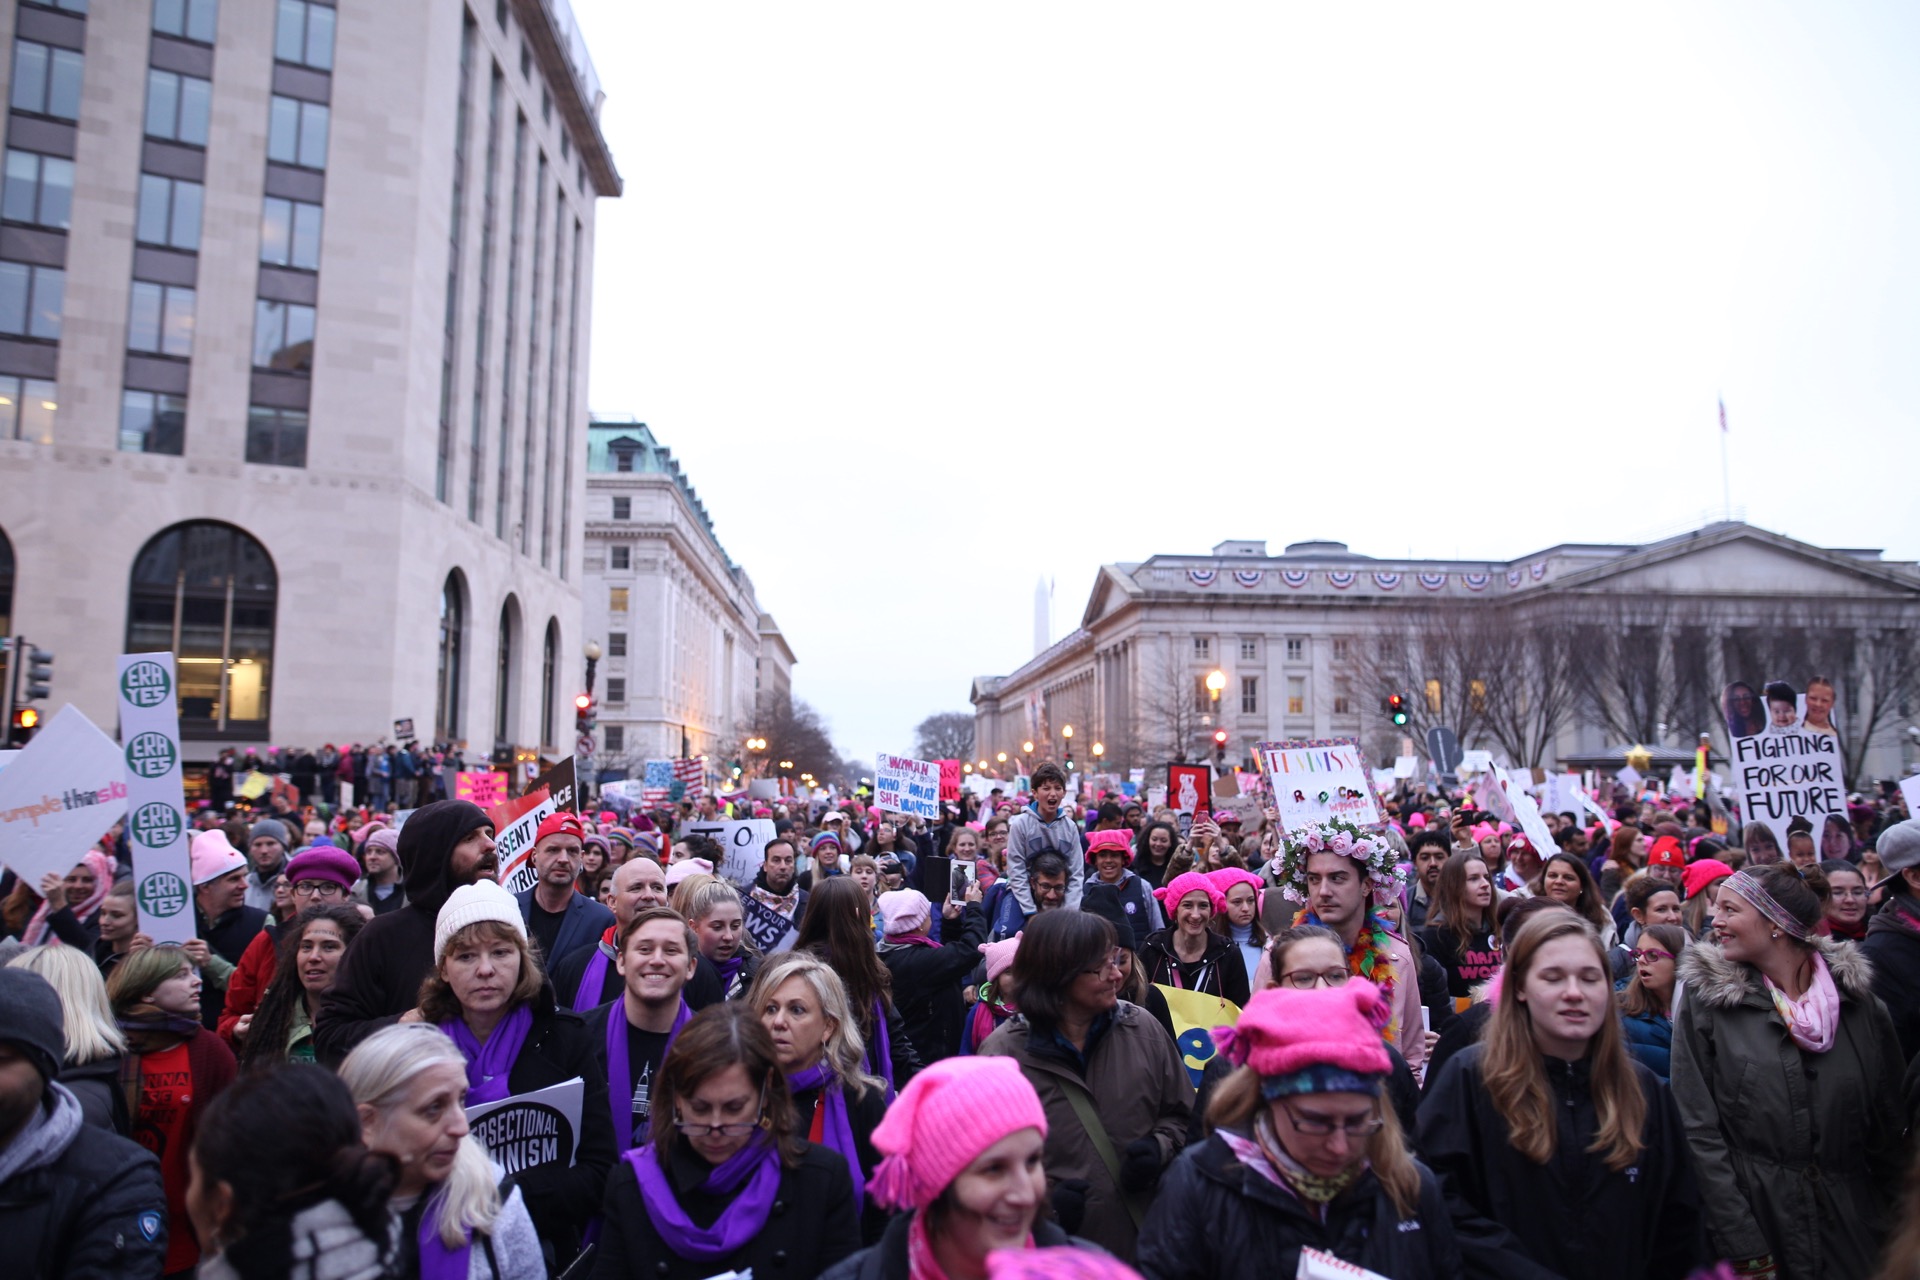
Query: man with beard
{"type": "Point", "coordinates": [775, 902]}
{"type": "Point", "coordinates": [444, 845]}
{"type": "Point", "coordinates": [267, 851]}
{"type": "Point", "coordinates": [559, 918]}
{"type": "Point", "coordinates": [590, 977]}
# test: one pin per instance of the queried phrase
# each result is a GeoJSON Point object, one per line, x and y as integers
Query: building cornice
{"type": "Point", "coordinates": [575, 98]}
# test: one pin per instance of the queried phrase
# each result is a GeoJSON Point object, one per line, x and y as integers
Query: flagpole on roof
{"type": "Point", "coordinates": [1726, 489]}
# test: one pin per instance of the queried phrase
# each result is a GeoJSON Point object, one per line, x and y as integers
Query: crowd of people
{"type": "Point", "coordinates": [964, 1048]}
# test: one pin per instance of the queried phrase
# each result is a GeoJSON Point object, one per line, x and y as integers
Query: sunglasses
{"type": "Point", "coordinates": [1649, 953]}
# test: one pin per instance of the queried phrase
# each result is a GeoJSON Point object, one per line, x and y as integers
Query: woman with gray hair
{"type": "Point", "coordinates": [409, 1083]}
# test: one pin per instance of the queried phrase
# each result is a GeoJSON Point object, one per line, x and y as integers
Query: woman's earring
{"type": "Point", "coordinates": [1776, 933]}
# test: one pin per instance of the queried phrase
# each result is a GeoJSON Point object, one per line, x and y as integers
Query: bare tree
{"type": "Point", "coordinates": [1442, 659]}
{"type": "Point", "coordinates": [1530, 694]}
{"type": "Point", "coordinates": [1638, 663]}
{"type": "Point", "coordinates": [945, 735]}
{"type": "Point", "coordinates": [1169, 713]}
{"type": "Point", "coordinates": [794, 731]}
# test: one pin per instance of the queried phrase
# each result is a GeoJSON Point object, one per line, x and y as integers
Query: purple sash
{"type": "Point", "coordinates": [619, 1088]}
{"type": "Point", "coordinates": [880, 1052]}
{"type": "Point", "coordinates": [489, 1063]}
{"type": "Point", "coordinates": [836, 1129]}
{"type": "Point", "coordinates": [437, 1262]}
{"type": "Point", "coordinates": [593, 980]}
{"type": "Point", "coordinates": [751, 1175]}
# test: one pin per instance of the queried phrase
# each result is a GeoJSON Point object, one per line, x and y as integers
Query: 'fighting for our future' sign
{"type": "Point", "coordinates": [904, 785]}
{"type": "Point", "coordinates": [1314, 781]}
{"type": "Point", "coordinates": [1783, 776]}
{"type": "Point", "coordinates": [58, 795]}
{"type": "Point", "coordinates": [156, 799]}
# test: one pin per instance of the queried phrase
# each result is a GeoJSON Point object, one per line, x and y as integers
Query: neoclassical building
{"type": "Point", "coordinates": [687, 652]}
{"type": "Point", "coordinates": [294, 305]}
{"type": "Point", "coordinates": [1557, 657]}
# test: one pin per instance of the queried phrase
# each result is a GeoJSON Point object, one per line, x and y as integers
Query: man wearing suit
{"type": "Point", "coordinates": [559, 918]}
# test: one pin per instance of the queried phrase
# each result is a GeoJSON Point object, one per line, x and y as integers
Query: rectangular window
{"type": "Point", "coordinates": [277, 437]}
{"type": "Point", "coordinates": [1342, 704]}
{"type": "Point", "coordinates": [177, 107]}
{"type": "Point", "coordinates": [1296, 650]}
{"type": "Point", "coordinates": [1249, 695]}
{"type": "Point", "coordinates": [623, 508]}
{"type": "Point", "coordinates": [616, 690]}
{"type": "Point", "coordinates": [46, 81]}
{"type": "Point", "coordinates": [290, 234]}
{"type": "Point", "coordinates": [65, 6]}
{"type": "Point", "coordinates": [616, 738]}
{"type": "Point", "coordinates": [152, 422]}
{"type": "Point", "coordinates": [616, 600]}
{"type": "Point", "coordinates": [297, 132]}
{"type": "Point", "coordinates": [160, 320]}
{"type": "Point", "coordinates": [31, 299]}
{"type": "Point", "coordinates": [283, 336]}
{"type": "Point", "coordinates": [623, 459]}
{"type": "Point", "coordinates": [169, 213]}
{"type": "Point", "coordinates": [1342, 648]}
{"type": "Point", "coordinates": [1202, 647]}
{"type": "Point", "coordinates": [1433, 696]}
{"type": "Point", "coordinates": [1249, 650]}
{"type": "Point", "coordinates": [1477, 696]}
{"type": "Point", "coordinates": [304, 34]}
{"type": "Point", "coordinates": [39, 190]}
{"type": "Point", "coordinates": [616, 644]}
{"type": "Point", "coordinates": [188, 19]}
{"type": "Point", "coordinates": [620, 558]}
{"type": "Point", "coordinates": [1296, 696]}
{"type": "Point", "coordinates": [1202, 696]}
{"type": "Point", "coordinates": [27, 410]}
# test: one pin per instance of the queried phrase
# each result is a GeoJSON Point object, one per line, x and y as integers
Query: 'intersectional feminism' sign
{"type": "Point", "coordinates": [1315, 781]}
{"type": "Point", "coordinates": [538, 1130]}
{"type": "Point", "coordinates": [905, 785]}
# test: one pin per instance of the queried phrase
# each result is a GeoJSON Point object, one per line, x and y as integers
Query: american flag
{"type": "Point", "coordinates": [659, 774]}
{"type": "Point", "coordinates": [693, 772]}
{"type": "Point", "coordinates": [655, 797]}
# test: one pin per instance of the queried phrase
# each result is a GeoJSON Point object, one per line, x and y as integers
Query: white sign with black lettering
{"type": "Point", "coordinates": [535, 1130]}
{"type": "Point", "coordinates": [743, 845]}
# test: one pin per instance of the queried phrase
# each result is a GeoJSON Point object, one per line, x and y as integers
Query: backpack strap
{"type": "Point", "coordinates": [1082, 1103]}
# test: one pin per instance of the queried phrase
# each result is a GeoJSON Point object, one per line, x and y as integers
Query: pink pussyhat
{"type": "Point", "coordinates": [1291, 1037]}
{"type": "Point", "coordinates": [941, 1122]}
{"type": "Point", "coordinates": [1225, 878]}
{"type": "Point", "coordinates": [1060, 1262]}
{"type": "Point", "coordinates": [1185, 883]}
{"type": "Point", "coordinates": [999, 956]}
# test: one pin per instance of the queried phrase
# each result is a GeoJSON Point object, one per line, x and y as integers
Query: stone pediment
{"type": "Point", "coordinates": [1741, 560]}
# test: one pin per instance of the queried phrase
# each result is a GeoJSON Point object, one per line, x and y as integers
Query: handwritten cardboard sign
{"type": "Point", "coordinates": [1313, 781]}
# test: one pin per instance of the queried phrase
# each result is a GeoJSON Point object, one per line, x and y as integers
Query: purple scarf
{"type": "Point", "coordinates": [729, 970]}
{"type": "Point", "coordinates": [836, 1128]}
{"type": "Point", "coordinates": [756, 1165]}
{"type": "Point", "coordinates": [619, 1087]}
{"type": "Point", "coordinates": [489, 1063]}
{"type": "Point", "coordinates": [880, 1052]}
{"type": "Point", "coordinates": [593, 980]}
{"type": "Point", "coordinates": [437, 1262]}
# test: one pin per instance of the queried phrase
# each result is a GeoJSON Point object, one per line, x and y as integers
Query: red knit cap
{"type": "Point", "coordinates": [941, 1122]}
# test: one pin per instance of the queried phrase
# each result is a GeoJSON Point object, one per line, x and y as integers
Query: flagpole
{"type": "Point", "coordinates": [1726, 489]}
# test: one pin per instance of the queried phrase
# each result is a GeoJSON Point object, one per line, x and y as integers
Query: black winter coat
{"type": "Point", "coordinates": [559, 1047]}
{"type": "Point", "coordinates": [1574, 1216]}
{"type": "Point", "coordinates": [228, 938]}
{"type": "Point", "coordinates": [887, 1260]}
{"type": "Point", "coordinates": [864, 1115]}
{"type": "Point", "coordinates": [1221, 972]}
{"type": "Point", "coordinates": [1217, 1219]}
{"type": "Point", "coordinates": [810, 1227]}
{"type": "Point", "coordinates": [95, 1212]}
{"type": "Point", "coordinates": [927, 983]}
{"type": "Point", "coordinates": [1893, 945]}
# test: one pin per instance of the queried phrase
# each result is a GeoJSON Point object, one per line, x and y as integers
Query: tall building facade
{"type": "Point", "coordinates": [294, 306]}
{"type": "Point", "coordinates": [1563, 656]}
{"type": "Point", "coordinates": [688, 657]}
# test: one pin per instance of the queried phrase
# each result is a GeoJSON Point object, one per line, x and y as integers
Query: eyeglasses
{"type": "Point", "coordinates": [1308, 979]}
{"type": "Point", "coordinates": [1322, 1127]}
{"type": "Point", "coordinates": [1649, 953]}
{"type": "Point", "coordinates": [1116, 959]}
{"type": "Point", "coordinates": [316, 889]}
{"type": "Point", "coordinates": [729, 1129]}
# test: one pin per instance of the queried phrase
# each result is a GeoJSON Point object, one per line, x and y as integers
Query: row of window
{"type": "Point", "coordinates": [1203, 645]}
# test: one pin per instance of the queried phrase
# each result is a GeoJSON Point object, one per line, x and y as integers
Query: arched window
{"type": "Point", "coordinates": [453, 629]}
{"type": "Point", "coordinates": [503, 673]}
{"type": "Point", "coordinates": [207, 592]}
{"type": "Point", "coordinates": [549, 691]}
{"type": "Point", "coordinates": [6, 586]}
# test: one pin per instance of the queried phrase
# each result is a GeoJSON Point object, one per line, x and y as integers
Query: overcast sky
{"type": "Point", "coordinates": [932, 301]}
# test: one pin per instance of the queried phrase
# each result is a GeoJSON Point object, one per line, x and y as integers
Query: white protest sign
{"type": "Point", "coordinates": [1315, 1265]}
{"type": "Point", "coordinates": [1795, 773]}
{"type": "Point", "coordinates": [1476, 761]}
{"type": "Point", "coordinates": [513, 842]}
{"type": "Point", "coordinates": [1383, 779]}
{"type": "Point", "coordinates": [743, 845]}
{"type": "Point", "coordinates": [1315, 781]}
{"type": "Point", "coordinates": [905, 785]}
{"type": "Point", "coordinates": [156, 803]}
{"type": "Point", "coordinates": [1910, 792]}
{"type": "Point", "coordinates": [58, 796]}
{"type": "Point", "coordinates": [1404, 766]}
{"type": "Point", "coordinates": [532, 1130]}
{"type": "Point", "coordinates": [1587, 803]}
{"type": "Point", "coordinates": [6, 757]}
{"type": "Point", "coordinates": [1527, 816]}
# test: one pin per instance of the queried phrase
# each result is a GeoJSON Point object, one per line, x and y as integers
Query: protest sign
{"type": "Point", "coordinates": [1476, 761]}
{"type": "Point", "coordinates": [253, 784]}
{"type": "Point", "coordinates": [538, 1130]}
{"type": "Point", "coordinates": [1156, 799]}
{"type": "Point", "coordinates": [624, 788]}
{"type": "Point", "coordinates": [403, 730]}
{"type": "Point", "coordinates": [157, 832]}
{"type": "Point", "coordinates": [1312, 781]}
{"type": "Point", "coordinates": [1910, 792]}
{"type": "Point", "coordinates": [59, 795]}
{"type": "Point", "coordinates": [1315, 1265]}
{"type": "Point", "coordinates": [1785, 754]}
{"type": "Point", "coordinates": [905, 785]}
{"type": "Point", "coordinates": [1404, 766]}
{"type": "Point", "coordinates": [771, 931]}
{"type": "Point", "coordinates": [1190, 788]}
{"type": "Point", "coordinates": [484, 789]}
{"type": "Point", "coordinates": [949, 779]}
{"type": "Point", "coordinates": [6, 758]}
{"type": "Point", "coordinates": [743, 845]}
{"type": "Point", "coordinates": [1527, 817]}
{"type": "Point", "coordinates": [1195, 1015]}
{"type": "Point", "coordinates": [515, 823]}
{"type": "Point", "coordinates": [558, 781]}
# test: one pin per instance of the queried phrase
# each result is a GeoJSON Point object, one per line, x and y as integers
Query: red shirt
{"type": "Point", "coordinates": [164, 1126]}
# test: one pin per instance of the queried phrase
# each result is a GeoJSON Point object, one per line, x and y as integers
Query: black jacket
{"type": "Point", "coordinates": [227, 937]}
{"type": "Point", "coordinates": [1893, 944]}
{"type": "Point", "coordinates": [581, 925]}
{"type": "Point", "coordinates": [1217, 1219]}
{"type": "Point", "coordinates": [810, 1227]}
{"type": "Point", "coordinates": [94, 1211]}
{"type": "Point", "coordinates": [887, 1260]}
{"type": "Point", "coordinates": [927, 982]}
{"type": "Point", "coordinates": [559, 1047]}
{"type": "Point", "coordinates": [380, 975]}
{"type": "Point", "coordinates": [1574, 1216]}
{"type": "Point", "coordinates": [1462, 1032]}
{"type": "Point", "coordinates": [1225, 974]}
{"type": "Point", "coordinates": [103, 1100]}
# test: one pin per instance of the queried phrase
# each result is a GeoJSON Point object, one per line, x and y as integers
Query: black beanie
{"type": "Point", "coordinates": [32, 1020]}
{"type": "Point", "coordinates": [1104, 900]}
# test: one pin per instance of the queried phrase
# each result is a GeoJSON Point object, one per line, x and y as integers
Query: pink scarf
{"type": "Point", "coordinates": [1813, 1019]}
{"type": "Point", "coordinates": [39, 931]}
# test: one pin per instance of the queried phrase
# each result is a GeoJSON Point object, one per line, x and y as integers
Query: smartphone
{"type": "Point", "coordinates": [936, 872]}
{"type": "Point", "coordinates": [963, 877]}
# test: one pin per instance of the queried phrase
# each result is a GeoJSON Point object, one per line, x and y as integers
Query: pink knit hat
{"type": "Point", "coordinates": [1481, 831]}
{"type": "Point", "coordinates": [1185, 883]}
{"type": "Point", "coordinates": [941, 1122]}
{"type": "Point", "coordinates": [999, 956]}
{"type": "Point", "coordinates": [1291, 1038]}
{"type": "Point", "coordinates": [212, 856]}
{"type": "Point", "coordinates": [1059, 1262]}
{"type": "Point", "coordinates": [904, 911]}
{"type": "Point", "coordinates": [1121, 840]}
{"type": "Point", "coordinates": [1226, 877]}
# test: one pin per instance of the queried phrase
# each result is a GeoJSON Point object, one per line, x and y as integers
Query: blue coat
{"type": "Point", "coordinates": [1650, 1039]}
{"type": "Point", "coordinates": [583, 925]}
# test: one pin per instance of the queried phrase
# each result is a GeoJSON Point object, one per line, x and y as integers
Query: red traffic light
{"type": "Point", "coordinates": [584, 702]}
{"type": "Point", "coordinates": [1220, 737]}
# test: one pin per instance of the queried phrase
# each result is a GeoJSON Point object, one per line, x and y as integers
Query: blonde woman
{"type": "Point", "coordinates": [713, 908]}
{"type": "Point", "coordinates": [95, 1047]}
{"type": "Point", "coordinates": [408, 1083]}
{"type": "Point", "coordinates": [816, 1039]}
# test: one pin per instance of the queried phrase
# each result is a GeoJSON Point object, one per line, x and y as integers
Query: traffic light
{"type": "Point", "coordinates": [584, 717]}
{"type": "Point", "coordinates": [39, 676]}
{"type": "Point", "coordinates": [20, 732]}
{"type": "Point", "coordinates": [1220, 745]}
{"type": "Point", "coordinates": [1396, 708]}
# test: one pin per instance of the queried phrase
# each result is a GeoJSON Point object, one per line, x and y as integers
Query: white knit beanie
{"type": "Point", "coordinates": [470, 904]}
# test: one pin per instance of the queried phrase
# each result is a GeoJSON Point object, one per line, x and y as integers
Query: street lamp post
{"type": "Point", "coordinates": [593, 660]}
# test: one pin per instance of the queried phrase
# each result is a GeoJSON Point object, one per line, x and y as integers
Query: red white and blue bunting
{"type": "Point", "coordinates": [1341, 579]}
{"type": "Point", "coordinates": [1432, 581]}
{"type": "Point", "coordinates": [1202, 577]}
{"type": "Point", "coordinates": [1295, 578]}
{"type": "Point", "coordinates": [1249, 578]}
{"type": "Point", "coordinates": [1386, 581]}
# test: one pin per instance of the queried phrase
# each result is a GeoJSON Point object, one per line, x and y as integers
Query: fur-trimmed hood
{"type": "Point", "coordinates": [1714, 980]}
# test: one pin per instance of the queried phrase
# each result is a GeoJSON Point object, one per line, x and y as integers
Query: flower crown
{"type": "Point", "coordinates": [1337, 835]}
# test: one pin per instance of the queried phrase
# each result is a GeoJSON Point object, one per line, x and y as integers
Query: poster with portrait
{"type": "Point", "coordinates": [1190, 792]}
{"type": "Point", "coordinates": [1787, 769]}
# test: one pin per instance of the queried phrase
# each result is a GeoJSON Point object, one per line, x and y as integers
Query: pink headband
{"type": "Point", "coordinates": [1747, 885]}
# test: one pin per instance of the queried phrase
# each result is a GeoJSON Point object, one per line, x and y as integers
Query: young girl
{"type": "Point", "coordinates": [1239, 919]}
{"type": "Point", "coordinates": [119, 929]}
{"type": "Point", "coordinates": [1460, 932]}
{"type": "Point", "coordinates": [994, 1003]}
{"type": "Point", "coordinates": [1646, 1002]}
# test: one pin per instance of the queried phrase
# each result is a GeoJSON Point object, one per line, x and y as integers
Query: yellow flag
{"type": "Point", "coordinates": [1195, 1015]}
{"type": "Point", "coordinates": [255, 785]}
